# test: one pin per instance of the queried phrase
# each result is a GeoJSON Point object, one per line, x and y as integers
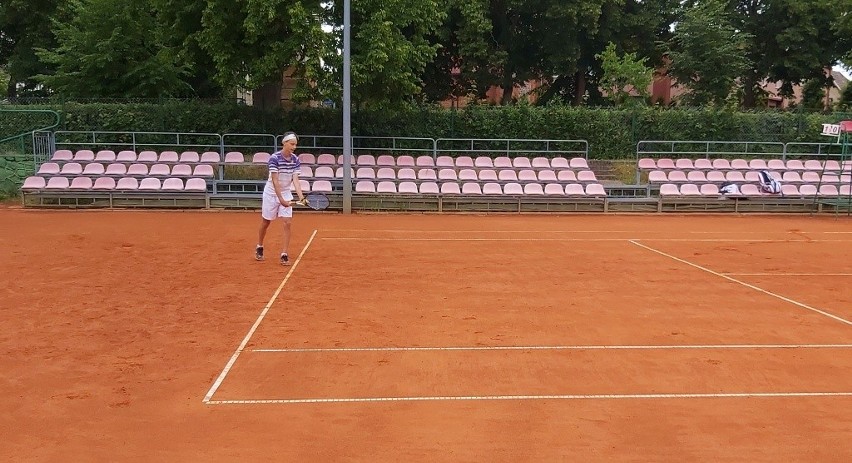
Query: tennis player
{"type": "Point", "coordinates": [284, 168]}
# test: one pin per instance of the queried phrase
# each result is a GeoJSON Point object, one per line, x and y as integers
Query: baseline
{"type": "Point", "coordinates": [578, 347]}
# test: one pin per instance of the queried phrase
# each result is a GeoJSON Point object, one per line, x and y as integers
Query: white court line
{"type": "Point", "coordinates": [538, 397]}
{"type": "Point", "coordinates": [698, 232]}
{"type": "Point", "coordinates": [804, 306]}
{"type": "Point", "coordinates": [687, 240]}
{"type": "Point", "coordinates": [790, 274]}
{"type": "Point", "coordinates": [591, 347]}
{"type": "Point", "coordinates": [251, 331]}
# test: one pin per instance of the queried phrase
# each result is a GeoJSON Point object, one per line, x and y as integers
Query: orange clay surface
{"type": "Point", "coordinates": [140, 336]}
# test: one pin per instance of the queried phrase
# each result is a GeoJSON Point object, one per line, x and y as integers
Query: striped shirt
{"type": "Point", "coordinates": [284, 168]}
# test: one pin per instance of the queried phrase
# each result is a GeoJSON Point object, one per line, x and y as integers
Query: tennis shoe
{"type": "Point", "coordinates": [258, 253]}
{"type": "Point", "coordinates": [285, 259]}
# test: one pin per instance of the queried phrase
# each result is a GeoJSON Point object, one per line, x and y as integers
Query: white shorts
{"type": "Point", "coordinates": [272, 208]}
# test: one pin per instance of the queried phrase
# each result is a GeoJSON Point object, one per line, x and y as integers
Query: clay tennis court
{"type": "Point", "coordinates": [155, 336]}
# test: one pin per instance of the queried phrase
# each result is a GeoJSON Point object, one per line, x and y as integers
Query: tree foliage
{"type": "Point", "coordinates": [624, 76]}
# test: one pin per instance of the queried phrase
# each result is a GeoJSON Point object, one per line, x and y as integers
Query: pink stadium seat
{"type": "Point", "coordinates": [468, 175]}
{"type": "Point", "coordinates": [813, 164]}
{"type": "Point", "coordinates": [735, 176]}
{"type": "Point", "coordinates": [444, 161]}
{"type": "Point", "coordinates": [71, 168]}
{"type": "Point", "coordinates": [202, 170]}
{"type": "Point", "coordinates": [386, 187]}
{"type": "Point", "coordinates": [105, 156]}
{"type": "Point", "coordinates": [775, 164]}
{"type": "Point", "coordinates": [752, 176]}
{"type": "Point", "coordinates": [407, 188]}
{"type": "Point", "coordinates": [307, 158]}
{"type": "Point", "coordinates": [150, 184]}
{"type": "Point", "coordinates": [126, 156]}
{"type": "Point", "coordinates": [447, 174]}
{"type": "Point", "coordinates": [666, 164]}
{"type": "Point", "coordinates": [560, 163]}
{"type": "Point", "coordinates": [483, 161]}
{"type": "Point", "coordinates": [527, 175]}
{"type": "Point", "coordinates": [715, 176]}
{"type": "Point", "coordinates": [502, 162]}
{"type": "Point", "coordinates": [104, 183]}
{"type": "Point", "coordinates": [57, 183]}
{"type": "Point", "coordinates": [429, 188]}
{"type": "Point", "coordinates": [757, 164]}
{"type": "Point", "coordinates": [546, 176]}
{"type": "Point", "coordinates": [159, 170]}
{"type": "Point", "coordinates": [260, 158]}
{"type": "Point", "coordinates": [788, 189]}
{"type": "Point", "coordinates": [338, 173]}
{"type": "Point", "coordinates": [703, 164]}
{"type": "Point", "coordinates": [555, 189]}
{"type": "Point", "coordinates": [684, 164]}
{"type": "Point", "coordinates": [709, 189]}
{"type": "Point", "coordinates": [321, 186]}
{"type": "Point", "coordinates": [669, 189]}
{"type": "Point", "coordinates": [750, 189]}
{"type": "Point", "coordinates": [739, 164]}
{"type": "Point", "coordinates": [828, 190]}
{"type": "Point", "coordinates": [182, 170]}
{"type": "Point", "coordinates": [677, 176]}
{"type": "Point", "coordinates": [405, 161]}
{"type": "Point", "coordinates": [647, 164]}
{"type": "Point", "coordinates": [464, 161]}
{"type": "Point", "coordinates": [168, 156]}
{"type": "Point", "coordinates": [127, 183]}
{"type": "Point", "coordinates": [365, 160]}
{"type": "Point", "coordinates": [810, 177]}
{"type": "Point", "coordinates": [831, 178]}
{"type": "Point", "coordinates": [234, 157]}
{"type": "Point", "coordinates": [488, 175]}
{"type": "Point", "coordinates": [84, 156]}
{"type": "Point", "coordinates": [540, 162]}
{"type": "Point", "coordinates": [573, 189]}
{"type": "Point", "coordinates": [657, 176]}
{"type": "Point", "coordinates": [579, 163]}
{"type": "Point", "coordinates": [427, 174]}
{"type": "Point", "coordinates": [306, 187]}
{"type": "Point", "coordinates": [513, 189]}
{"type": "Point", "coordinates": [696, 176]}
{"type": "Point", "coordinates": [689, 189]}
{"type": "Point", "coordinates": [807, 190]}
{"type": "Point", "coordinates": [94, 168]}
{"type": "Point", "coordinates": [210, 157]}
{"type": "Point", "coordinates": [189, 157]}
{"type": "Point", "coordinates": [49, 168]}
{"type": "Point", "coordinates": [595, 189]}
{"type": "Point", "coordinates": [62, 155]}
{"type": "Point", "coordinates": [172, 184]}
{"type": "Point", "coordinates": [386, 172]}
{"type": "Point", "coordinates": [791, 177]}
{"type": "Point", "coordinates": [832, 166]}
{"type": "Point", "coordinates": [722, 164]}
{"type": "Point", "coordinates": [425, 161]}
{"type": "Point", "coordinates": [795, 164]}
{"type": "Point", "coordinates": [33, 183]}
{"type": "Point", "coordinates": [365, 172]}
{"type": "Point", "coordinates": [324, 172]}
{"type": "Point", "coordinates": [385, 160]}
{"type": "Point", "coordinates": [586, 176]}
{"type": "Point", "coordinates": [326, 159]}
{"type": "Point", "coordinates": [521, 162]}
{"type": "Point", "coordinates": [846, 190]}
{"type": "Point", "coordinates": [306, 171]}
{"type": "Point", "coordinates": [118, 169]}
{"type": "Point", "coordinates": [195, 184]}
{"type": "Point", "coordinates": [566, 176]}
{"type": "Point", "coordinates": [492, 188]}
{"type": "Point", "coordinates": [471, 188]}
{"type": "Point", "coordinates": [533, 189]}
{"type": "Point", "coordinates": [339, 160]}
{"type": "Point", "coordinates": [147, 156]}
{"type": "Point", "coordinates": [450, 188]}
{"type": "Point", "coordinates": [507, 175]}
{"type": "Point", "coordinates": [137, 170]}
{"type": "Point", "coordinates": [406, 173]}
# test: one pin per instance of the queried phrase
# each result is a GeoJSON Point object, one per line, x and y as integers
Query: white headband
{"type": "Point", "coordinates": [288, 137]}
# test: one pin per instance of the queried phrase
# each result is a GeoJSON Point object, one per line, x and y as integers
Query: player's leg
{"type": "Point", "coordinates": [286, 215]}
{"type": "Point", "coordinates": [269, 210]}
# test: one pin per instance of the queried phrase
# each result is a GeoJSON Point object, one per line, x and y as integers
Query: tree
{"type": "Point", "coordinates": [113, 49]}
{"type": "Point", "coordinates": [707, 53]}
{"type": "Point", "coordinates": [4, 81]}
{"type": "Point", "coordinates": [25, 25]}
{"type": "Point", "coordinates": [624, 76]}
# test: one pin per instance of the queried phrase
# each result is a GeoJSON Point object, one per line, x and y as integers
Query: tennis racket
{"type": "Point", "coordinates": [316, 201]}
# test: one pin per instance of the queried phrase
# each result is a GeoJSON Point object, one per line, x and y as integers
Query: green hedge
{"type": "Point", "coordinates": [611, 133]}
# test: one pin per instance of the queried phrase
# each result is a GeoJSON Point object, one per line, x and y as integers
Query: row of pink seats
{"type": "Point", "coordinates": [120, 169]}
{"type": "Point", "coordinates": [111, 183]}
{"type": "Point", "coordinates": [106, 156]}
{"type": "Point", "coordinates": [699, 176]}
{"type": "Point", "coordinates": [742, 164]}
{"type": "Point", "coordinates": [751, 189]}
{"type": "Point", "coordinates": [406, 173]}
{"type": "Point", "coordinates": [472, 188]}
{"type": "Point", "coordinates": [485, 162]}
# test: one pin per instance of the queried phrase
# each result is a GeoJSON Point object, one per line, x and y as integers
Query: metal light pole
{"type": "Point", "coordinates": [347, 121]}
